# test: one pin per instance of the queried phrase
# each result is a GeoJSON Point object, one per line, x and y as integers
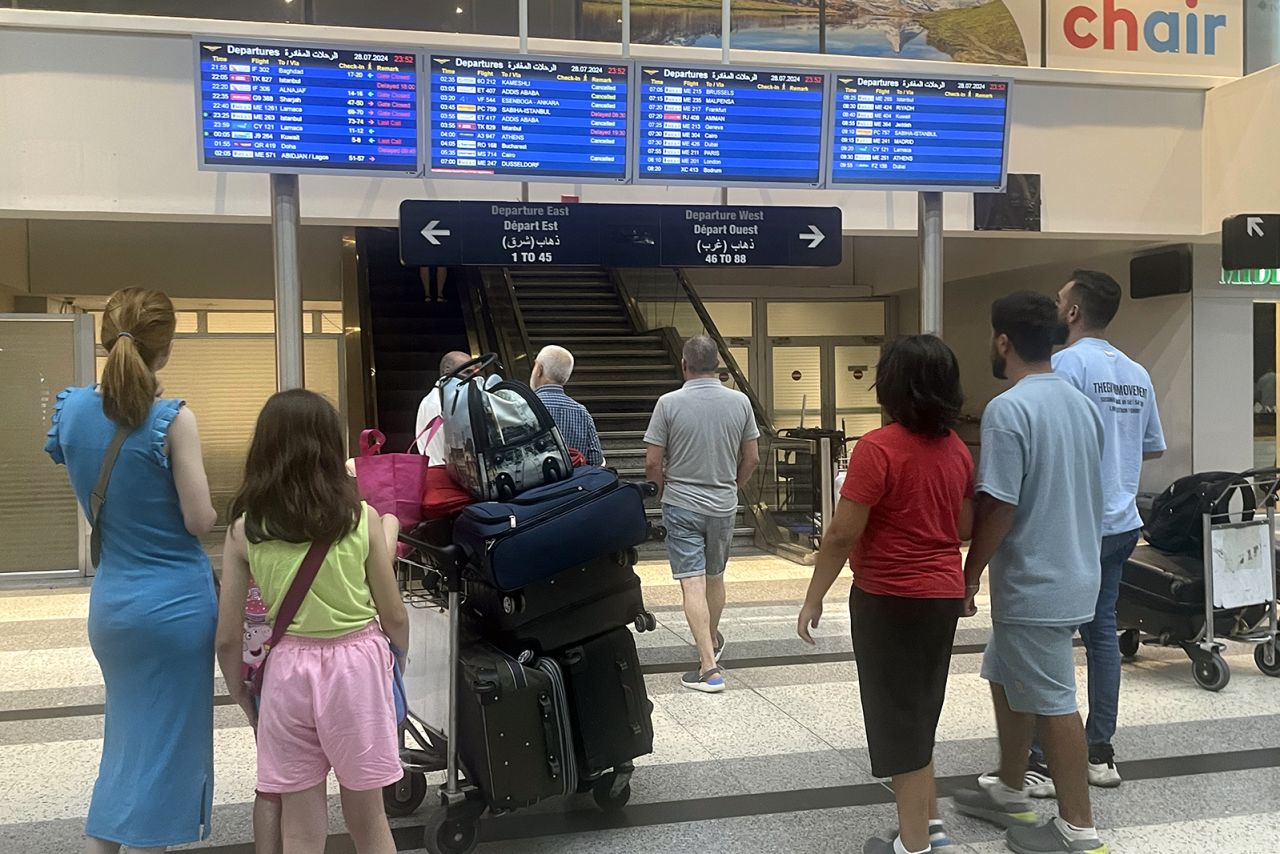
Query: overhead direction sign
{"type": "Point", "coordinates": [493, 234]}
{"type": "Point", "coordinates": [1251, 242]}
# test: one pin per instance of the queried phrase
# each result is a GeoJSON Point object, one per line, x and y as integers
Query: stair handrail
{"type": "Point", "coordinates": [763, 418]}
{"type": "Point", "coordinates": [499, 322]}
{"type": "Point", "coordinates": [519, 315]}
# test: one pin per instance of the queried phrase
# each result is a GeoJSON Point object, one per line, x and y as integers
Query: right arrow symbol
{"type": "Point", "coordinates": [1253, 226]}
{"type": "Point", "coordinates": [814, 235]}
{"type": "Point", "coordinates": [433, 232]}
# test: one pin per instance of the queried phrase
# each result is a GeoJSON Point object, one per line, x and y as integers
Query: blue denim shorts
{"type": "Point", "coordinates": [1035, 665]}
{"type": "Point", "coordinates": [697, 544]}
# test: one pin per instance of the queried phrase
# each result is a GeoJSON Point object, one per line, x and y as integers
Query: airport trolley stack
{"type": "Point", "coordinates": [515, 712]}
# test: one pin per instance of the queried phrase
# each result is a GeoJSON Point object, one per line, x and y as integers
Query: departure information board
{"type": "Point", "coordinates": [530, 118]}
{"type": "Point", "coordinates": [725, 125]}
{"type": "Point", "coordinates": [919, 133]}
{"type": "Point", "coordinates": [286, 107]}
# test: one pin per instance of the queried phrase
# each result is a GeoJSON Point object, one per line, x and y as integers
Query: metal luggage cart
{"type": "Point", "coordinates": [431, 577]}
{"type": "Point", "coordinates": [1239, 585]}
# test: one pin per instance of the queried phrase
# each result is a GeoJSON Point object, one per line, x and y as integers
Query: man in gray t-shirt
{"type": "Point", "coordinates": [1039, 526]}
{"type": "Point", "coordinates": [701, 449]}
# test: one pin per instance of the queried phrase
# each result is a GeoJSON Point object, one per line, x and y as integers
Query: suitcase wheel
{"type": "Point", "coordinates": [646, 622]}
{"type": "Point", "coordinates": [446, 835]}
{"type": "Point", "coordinates": [1130, 641]}
{"type": "Point", "coordinates": [609, 797]}
{"type": "Point", "coordinates": [403, 798]}
{"type": "Point", "coordinates": [1260, 652]}
{"type": "Point", "coordinates": [1211, 672]}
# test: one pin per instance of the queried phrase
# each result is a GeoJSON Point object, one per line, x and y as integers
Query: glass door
{"type": "Point", "coordinates": [798, 387]}
{"type": "Point", "coordinates": [856, 410]}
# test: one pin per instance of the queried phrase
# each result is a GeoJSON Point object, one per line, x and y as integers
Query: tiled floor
{"type": "Point", "coordinates": [776, 764]}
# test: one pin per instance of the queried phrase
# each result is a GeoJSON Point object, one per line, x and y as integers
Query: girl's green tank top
{"type": "Point", "coordinates": [339, 601]}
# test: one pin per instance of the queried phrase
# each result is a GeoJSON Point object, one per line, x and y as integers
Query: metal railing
{"type": "Point", "coordinates": [494, 321]}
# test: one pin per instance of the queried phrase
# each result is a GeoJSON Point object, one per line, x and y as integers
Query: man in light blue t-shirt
{"type": "Point", "coordinates": [1121, 390]}
{"type": "Point", "coordinates": [1039, 527]}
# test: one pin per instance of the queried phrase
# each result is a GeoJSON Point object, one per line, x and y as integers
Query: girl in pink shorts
{"type": "Point", "coordinates": [327, 701]}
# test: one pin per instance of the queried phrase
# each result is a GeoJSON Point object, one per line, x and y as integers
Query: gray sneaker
{"type": "Point", "coordinates": [717, 648]}
{"type": "Point", "coordinates": [1048, 839]}
{"type": "Point", "coordinates": [978, 802]}
{"type": "Point", "coordinates": [711, 682]}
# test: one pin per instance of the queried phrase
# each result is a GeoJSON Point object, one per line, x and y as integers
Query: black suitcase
{"type": "Point", "coordinates": [1162, 578]}
{"type": "Point", "coordinates": [1162, 595]}
{"type": "Point", "coordinates": [514, 733]}
{"type": "Point", "coordinates": [612, 714]}
{"type": "Point", "coordinates": [562, 610]}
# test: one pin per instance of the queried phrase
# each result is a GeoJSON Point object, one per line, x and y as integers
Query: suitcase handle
{"type": "Point", "coordinates": [552, 735]}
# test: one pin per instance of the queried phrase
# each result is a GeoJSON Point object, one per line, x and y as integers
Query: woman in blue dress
{"type": "Point", "coordinates": [152, 609]}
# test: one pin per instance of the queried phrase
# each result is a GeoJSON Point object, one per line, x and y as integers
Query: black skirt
{"type": "Point", "coordinates": [903, 652]}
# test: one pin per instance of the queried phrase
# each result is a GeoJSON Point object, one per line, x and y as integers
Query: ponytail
{"type": "Point", "coordinates": [137, 331]}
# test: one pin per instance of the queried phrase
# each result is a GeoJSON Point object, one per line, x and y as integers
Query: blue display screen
{"type": "Point", "coordinates": [913, 132]}
{"type": "Point", "coordinates": [528, 117]}
{"type": "Point", "coordinates": [281, 107]}
{"type": "Point", "coordinates": [726, 125]}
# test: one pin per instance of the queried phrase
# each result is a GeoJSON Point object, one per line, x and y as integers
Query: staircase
{"type": "Point", "coordinates": [620, 371]}
{"type": "Point", "coordinates": [410, 335]}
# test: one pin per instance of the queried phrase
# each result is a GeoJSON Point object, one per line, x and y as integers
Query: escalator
{"type": "Point", "coordinates": [410, 334]}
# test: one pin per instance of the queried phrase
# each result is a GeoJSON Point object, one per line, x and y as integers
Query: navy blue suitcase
{"type": "Point", "coordinates": [545, 531]}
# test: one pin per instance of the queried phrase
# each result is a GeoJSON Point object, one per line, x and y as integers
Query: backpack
{"type": "Point", "coordinates": [500, 438]}
{"type": "Point", "coordinates": [1176, 525]}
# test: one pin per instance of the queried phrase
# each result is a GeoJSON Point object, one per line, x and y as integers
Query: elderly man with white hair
{"type": "Point", "coordinates": [551, 372]}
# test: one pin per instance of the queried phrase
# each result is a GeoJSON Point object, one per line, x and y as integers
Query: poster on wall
{"type": "Point", "coordinates": [994, 32]}
{"type": "Point", "coordinates": [1202, 37]}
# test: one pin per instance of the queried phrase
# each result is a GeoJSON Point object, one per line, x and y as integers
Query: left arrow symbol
{"type": "Point", "coordinates": [1253, 225]}
{"type": "Point", "coordinates": [433, 232]}
{"type": "Point", "coordinates": [813, 235]}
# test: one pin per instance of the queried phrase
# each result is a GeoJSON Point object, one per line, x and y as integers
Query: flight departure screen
{"type": "Point", "coordinates": [529, 118]}
{"type": "Point", "coordinates": [293, 107]}
{"type": "Point", "coordinates": [723, 125]}
{"type": "Point", "coordinates": [920, 133]}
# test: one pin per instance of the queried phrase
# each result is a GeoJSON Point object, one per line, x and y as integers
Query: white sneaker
{"type": "Point", "coordinates": [1036, 784]}
{"type": "Point", "coordinates": [1104, 775]}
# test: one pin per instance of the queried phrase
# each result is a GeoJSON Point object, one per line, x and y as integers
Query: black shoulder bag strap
{"type": "Point", "coordinates": [98, 498]}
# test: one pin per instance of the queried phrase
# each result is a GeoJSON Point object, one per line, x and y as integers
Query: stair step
{"type": "Point", "coordinates": [569, 306]}
{"type": "Point", "coordinates": [555, 333]}
{"type": "Point", "coordinates": [580, 296]}
{"type": "Point", "coordinates": [659, 386]}
{"type": "Point", "coordinates": [611, 343]}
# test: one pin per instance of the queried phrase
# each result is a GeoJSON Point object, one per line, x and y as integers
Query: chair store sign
{"type": "Point", "coordinates": [1163, 36]}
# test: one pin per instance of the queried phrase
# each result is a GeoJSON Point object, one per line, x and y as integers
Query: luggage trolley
{"type": "Point", "coordinates": [432, 578]}
{"type": "Point", "coordinates": [1239, 571]}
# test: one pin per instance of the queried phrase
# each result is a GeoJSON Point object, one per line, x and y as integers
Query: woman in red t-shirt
{"type": "Point", "coordinates": [905, 507]}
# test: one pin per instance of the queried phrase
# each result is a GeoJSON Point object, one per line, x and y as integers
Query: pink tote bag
{"type": "Point", "coordinates": [393, 483]}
